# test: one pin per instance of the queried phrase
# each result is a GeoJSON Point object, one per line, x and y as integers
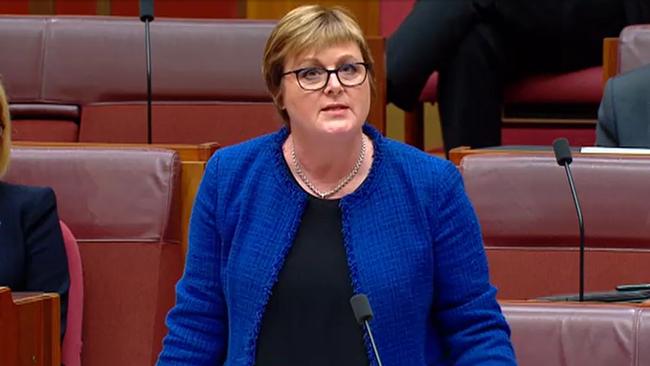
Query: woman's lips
{"type": "Point", "coordinates": [335, 108]}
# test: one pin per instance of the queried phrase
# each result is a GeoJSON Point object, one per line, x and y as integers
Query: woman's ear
{"type": "Point", "coordinates": [278, 100]}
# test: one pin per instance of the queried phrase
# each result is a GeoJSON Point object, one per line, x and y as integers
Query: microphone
{"type": "Point", "coordinates": [563, 156]}
{"type": "Point", "coordinates": [146, 15]}
{"type": "Point", "coordinates": [363, 314]}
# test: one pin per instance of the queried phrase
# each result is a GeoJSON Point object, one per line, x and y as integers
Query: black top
{"type": "Point", "coordinates": [32, 253]}
{"type": "Point", "coordinates": [308, 320]}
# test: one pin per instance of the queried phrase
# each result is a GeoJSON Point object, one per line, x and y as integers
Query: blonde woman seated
{"type": "Point", "coordinates": [32, 253]}
{"type": "Point", "coordinates": [288, 226]}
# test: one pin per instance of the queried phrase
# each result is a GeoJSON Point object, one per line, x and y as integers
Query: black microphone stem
{"type": "Point", "coordinates": [581, 224]}
{"type": "Point", "coordinates": [372, 342]}
{"type": "Point", "coordinates": [147, 42]}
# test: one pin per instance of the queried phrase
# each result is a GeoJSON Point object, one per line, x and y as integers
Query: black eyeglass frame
{"type": "Point", "coordinates": [366, 68]}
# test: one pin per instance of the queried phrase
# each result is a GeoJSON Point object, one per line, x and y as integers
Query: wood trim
{"type": "Point", "coordinates": [41, 7]}
{"type": "Point", "coordinates": [186, 152]}
{"type": "Point", "coordinates": [549, 121]}
{"type": "Point", "coordinates": [366, 12]}
{"type": "Point", "coordinates": [457, 154]}
{"type": "Point", "coordinates": [610, 58]}
{"type": "Point", "coordinates": [377, 114]}
{"type": "Point", "coordinates": [414, 126]}
{"type": "Point", "coordinates": [103, 7]}
{"type": "Point", "coordinates": [9, 329]}
{"type": "Point", "coordinates": [30, 332]}
{"type": "Point", "coordinates": [191, 175]}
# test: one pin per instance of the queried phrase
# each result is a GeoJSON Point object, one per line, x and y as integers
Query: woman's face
{"type": "Point", "coordinates": [335, 109]}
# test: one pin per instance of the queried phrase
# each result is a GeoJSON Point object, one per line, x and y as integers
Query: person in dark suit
{"type": "Point", "coordinates": [624, 114]}
{"type": "Point", "coordinates": [479, 45]}
{"type": "Point", "coordinates": [32, 253]}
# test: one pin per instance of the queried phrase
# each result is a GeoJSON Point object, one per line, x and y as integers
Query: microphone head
{"type": "Point", "coordinates": [146, 10]}
{"type": "Point", "coordinates": [562, 151]}
{"type": "Point", "coordinates": [361, 307]}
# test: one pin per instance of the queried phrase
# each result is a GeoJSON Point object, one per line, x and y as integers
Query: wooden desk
{"type": "Point", "coordinates": [30, 329]}
{"type": "Point", "coordinates": [458, 153]}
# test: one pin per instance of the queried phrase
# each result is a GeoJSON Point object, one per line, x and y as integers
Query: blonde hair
{"type": "Point", "coordinates": [309, 27]}
{"type": "Point", "coordinates": [5, 133]}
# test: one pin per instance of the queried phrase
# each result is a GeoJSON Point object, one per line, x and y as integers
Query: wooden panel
{"type": "Point", "coordinates": [457, 154]}
{"type": "Point", "coordinates": [182, 9]}
{"type": "Point", "coordinates": [103, 7]}
{"type": "Point", "coordinates": [8, 329]}
{"type": "Point", "coordinates": [192, 174]}
{"type": "Point", "coordinates": [75, 7]}
{"type": "Point", "coordinates": [29, 329]}
{"type": "Point", "coordinates": [377, 114]}
{"type": "Point", "coordinates": [414, 127]}
{"type": "Point", "coordinates": [200, 152]}
{"type": "Point", "coordinates": [43, 7]}
{"type": "Point", "coordinates": [610, 58]}
{"type": "Point", "coordinates": [14, 7]}
{"type": "Point", "coordinates": [366, 12]}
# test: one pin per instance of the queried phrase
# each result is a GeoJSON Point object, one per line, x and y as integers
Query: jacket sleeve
{"type": "Point", "coordinates": [606, 129]}
{"type": "Point", "coordinates": [197, 323]}
{"type": "Point", "coordinates": [468, 317]}
{"type": "Point", "coordinates": [46, 262]}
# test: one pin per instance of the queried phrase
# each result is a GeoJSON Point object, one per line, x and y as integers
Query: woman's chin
{"type": "Point", "coordinates": [339, 126]}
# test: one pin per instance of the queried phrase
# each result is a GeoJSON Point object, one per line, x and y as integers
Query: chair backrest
{"type": "Point", "coordinates": [83, 79]}
{"type": "Point", "coordinates": [579, 334]}
{"type": "Point", "coordinates": [123, 205]}
{"type": "Point", "coordinates": [392, 13]}
{"type": "Point", "coordinates": [72, 341]}
{"type": "Point", "coordinates": [530, 228]}
{"type": "Point", "coordinates": [73, 78]}
{"type": "Point", "coordinates": [634, 47]}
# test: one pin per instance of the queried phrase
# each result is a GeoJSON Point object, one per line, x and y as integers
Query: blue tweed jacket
{"type": "Point", "coordinates": [413, 243]}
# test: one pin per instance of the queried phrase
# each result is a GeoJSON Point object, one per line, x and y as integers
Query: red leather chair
{"type": "Point", "coordinates": [579, 334]}
{"type": "Point", "coordinates": [72, 341]}
{"type": "Point", "coordinates": [529, 223]}
{"type": "Point", "coordinates": [123, 205]}
{"type": "Point", "coordinates": [634, 47]}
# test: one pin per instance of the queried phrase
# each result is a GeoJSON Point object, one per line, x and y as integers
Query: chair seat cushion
{"type": "Point", "coordinates": [576, 87]}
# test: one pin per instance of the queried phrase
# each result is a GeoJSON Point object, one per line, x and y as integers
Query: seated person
{"type": "Point", "coordinates": [477, 46]}
{"type": "Point", "coordinates": [32, 253]}
{"type": "Point", "coordinates": [624, 114]}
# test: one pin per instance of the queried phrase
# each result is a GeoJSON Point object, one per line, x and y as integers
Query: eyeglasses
{"type": "Point", "coordinates": [316, 78]}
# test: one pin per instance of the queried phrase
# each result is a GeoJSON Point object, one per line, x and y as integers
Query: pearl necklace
{"type": "Point", "coordinates": [342, 183]}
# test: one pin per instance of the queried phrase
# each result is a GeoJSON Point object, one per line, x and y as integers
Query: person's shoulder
{"type": "Point", "coordinates": [406, 155]}
{"type": "Point", "coordinates": [253, 157]}
{"type": "Point", "coordinates": [247, 149]}
{"type": "Point", "coordinates": [26, 197]}
{"type": "Point", "coordinates": [634, 83]}
{"type": "Point", "coordinates": [21, 192]}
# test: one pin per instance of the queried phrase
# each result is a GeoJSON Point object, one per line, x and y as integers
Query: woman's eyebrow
{"type": "Point", "coordinates": [314, 61]}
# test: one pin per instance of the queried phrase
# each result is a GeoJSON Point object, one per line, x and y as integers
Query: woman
{"type": "Point", "coordinates": [32, 253]}
{"type": "Point", "coordinates": [288, 226]}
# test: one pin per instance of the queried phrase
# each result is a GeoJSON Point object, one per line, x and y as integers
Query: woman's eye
{"type": "Point", "coordinates": [348, 68]}
{"type": "Point", "coordinates": [311, 73]}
